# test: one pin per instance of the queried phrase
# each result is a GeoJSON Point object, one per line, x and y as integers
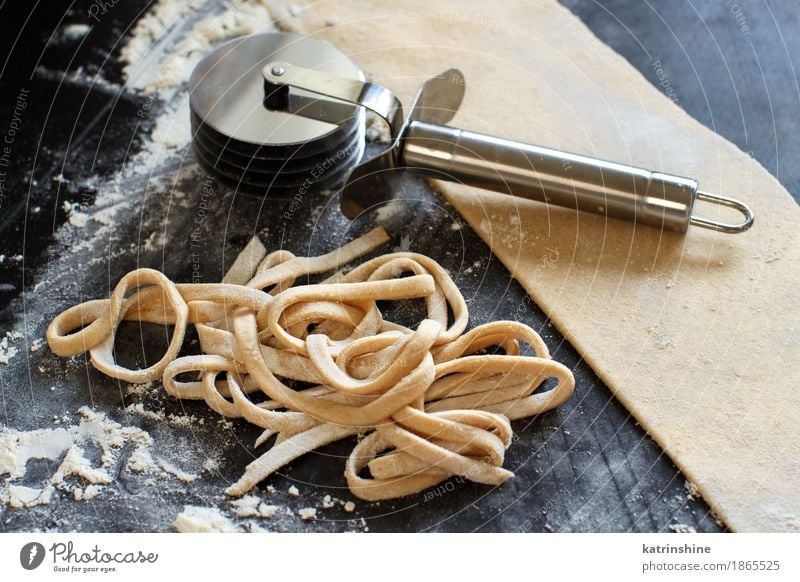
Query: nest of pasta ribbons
{"type": "Point", "coordinates": [433, 402]}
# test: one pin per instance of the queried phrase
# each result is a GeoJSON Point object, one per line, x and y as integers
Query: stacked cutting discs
{"type": "Point", "coordinates": [298, 143]}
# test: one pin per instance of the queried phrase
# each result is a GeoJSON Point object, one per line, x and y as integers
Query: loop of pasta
{"type": "Point", "coordinates": [431, 401]}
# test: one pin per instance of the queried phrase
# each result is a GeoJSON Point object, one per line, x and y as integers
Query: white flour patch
{"type": "Point", "coordinates": [72, 32]}
{"type": "Point", "coordinates": [90, 492]}
{"type": "Point", "coordinates": [165, 18]}
{"type": "Point", "coordinates": [211, 465]}
{"type": "Point", "coordinates": [140, 410]}
{"type": "Point", "coordinates": [76, 474]}
{"type": "Point", "coordinates": [139, 389]}
{"type": "Point", "coordinates": [403, 247]}
{"type": "Point", "coordinates": [162, 16]}
{"type": "Point", "coordinates": [307, 513]}
{"type": "Point", "coordinates": [81, 78]}
{"type": "Point", "coordinates": [74, 215]}
{"type": "Point", "coordinates": [75, 463]}
{"type": "Point", "coordinates": [662, 339]}
{"type": "Point", "coordinates": [8, 351]}
{"type": "Point", "coordinates": [173, 127]}
{"type": "Point", "coordinates": [389, 211]}
{"type": "Point", "coordinates": [185, 419]}
{"type": "Point", "coordinates": [252, 506]}
{"type": "Point", "coordinates": [194, 519]}
{"type": "Point", "coordinates": [19, 496]}
{"type": "Point", "coordinates": [141, 461]}
{"type": "Point", "coordinates": [176, 472]}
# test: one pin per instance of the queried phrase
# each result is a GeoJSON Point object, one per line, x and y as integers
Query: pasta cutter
{"type": "Point", "coordinates": [284, 114]}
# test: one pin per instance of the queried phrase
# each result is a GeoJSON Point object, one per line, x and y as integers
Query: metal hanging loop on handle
{"type": "Point", "coordinates": [536, 173]}
{"type": "Point", "coordinates": [743, 208]}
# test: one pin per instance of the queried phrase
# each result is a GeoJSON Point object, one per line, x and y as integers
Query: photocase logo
{"type": "Point", "coordinates": [31, 555]}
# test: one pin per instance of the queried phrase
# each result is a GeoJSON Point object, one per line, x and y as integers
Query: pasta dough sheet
{"type": "Point", "coordinates": [696, 335]}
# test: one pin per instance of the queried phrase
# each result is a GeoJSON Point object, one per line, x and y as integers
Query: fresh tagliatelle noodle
{"type": "Point", "coordinates": [312, 364]}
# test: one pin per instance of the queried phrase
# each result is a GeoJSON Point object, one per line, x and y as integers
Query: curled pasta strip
{"type": "Point", "coordinates": [409, 388]}
{"type": "Point", "coordinates": [395, 289]}
{"type": "Point", "coordinates": [446, 291]}
{"type": "Point", "coordinates": [96, 323]}
{"type": "Point", "coordinates": [431, 402]}
{"type": "Point", "coordinates": [284, 268]}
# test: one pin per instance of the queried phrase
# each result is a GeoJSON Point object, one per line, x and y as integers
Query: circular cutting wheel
{"type": "Point", "coordinates": [268, 149]}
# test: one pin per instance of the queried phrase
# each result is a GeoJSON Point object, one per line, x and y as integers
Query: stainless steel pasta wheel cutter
{"type": "Point", "coordinates": [284, 114]}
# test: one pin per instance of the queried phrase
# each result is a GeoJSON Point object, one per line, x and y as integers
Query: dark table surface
{"type": "Point", "coordinates": [585, 467]}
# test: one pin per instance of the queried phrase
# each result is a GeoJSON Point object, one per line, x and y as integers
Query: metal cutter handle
{"type": "Point", "coordinates": [560, 178]}
{"type": "Point", "coordinates": [510, 167]}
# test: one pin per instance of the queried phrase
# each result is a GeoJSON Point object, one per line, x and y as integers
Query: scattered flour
{"type": "Point", "coordinates": [141, 461]}
{"type": "Point", "coordinates": [19, 496]}
{"type": "Point", "coordinates": [184, 419]}
{"type": "Point", "coordinates": [89, 492]}
{"type": "Point", "coordinates": [211, 464]}
{"type": "Point", "coordinates": [75, 463]}
{"type": "Point", "coordinates": [349, 507]}
{"type": "Point", "coordinates": [662, 339]}
{"type": "Point", "coordinates": [403, 247]}
{"type": "Point", "coordinates": [252, 506]}
{"type": "Point", "coordinates": [140, 410]}
{"type": "Point", "coordinates": [389, 211]}
{"type": "Point", "coordinates": [105, 217]}
{"type": "Point", "coordinates": [7, 351]}
{"type": "Point", "coordinates": [79, 77]}
{"type": "Point", "coordinates": [176, 472]}
{"type": "Point", "coordinates": [94, 428]}
{"type": "Point", "coordinates": [307, 513]}
{"type": "Point", "coordinates": [161, 16]}
{"type": "Point", "coordinates": [76, 218]}
{"type": "Point", "coordinates": [139, 389]}
{"type": "Point", "coordinates": [294, 491]}
{"type": "Point", "coordinates": [160, 415]}
{"type": "Point", "coordinates": [72, 32]}
{"type": "Point", "coordinates": [172, 131]}
{"type": "Point", "coordinates": [241, 17]}
{"type": "Point", "coordinates": [682, 528]}
{"type": "Point", "coordinates": [194, 519]}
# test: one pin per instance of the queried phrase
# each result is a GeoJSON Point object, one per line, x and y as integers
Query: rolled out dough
{"type": "Point", "coordinates": [696, 335]}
